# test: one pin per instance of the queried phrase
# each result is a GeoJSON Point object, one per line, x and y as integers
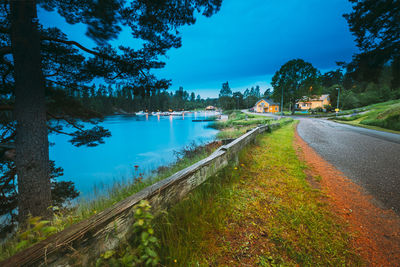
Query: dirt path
{"type": "Point", "coordinates": [377, 230]}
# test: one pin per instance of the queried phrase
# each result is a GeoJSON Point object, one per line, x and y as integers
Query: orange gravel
{"type": "Point", "coordinates": [377, 231]}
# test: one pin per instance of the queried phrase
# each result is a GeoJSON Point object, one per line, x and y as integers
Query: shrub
{"type": "Point", "coordinates": [141, 249]}
{"type": "Point", "coordinates": [351, 118]}
{"type": "Point", "coordinates": [319, 109]}
{"type": "Point", "coordinates": [391, 122]}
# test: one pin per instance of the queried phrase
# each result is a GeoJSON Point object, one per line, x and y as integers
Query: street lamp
{"type": "Point", "coordinates": [337, 108]}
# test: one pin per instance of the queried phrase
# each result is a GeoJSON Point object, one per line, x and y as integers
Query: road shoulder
{"type": "Point", "coordinates": [378, 230]}
{"type": "Point", "coordinates": [376, 128]}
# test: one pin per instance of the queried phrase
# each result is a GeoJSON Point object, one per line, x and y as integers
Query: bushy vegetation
{"type": "Point", "coordinates": [366, 94]}
{"type": "Point", "coordinates": [350, 118]}
{"type": "Point", "coordinates": [233, 132]}
{"type": "Point", "coordinates": [389, 118]}
{"type": "Point", "coordinates": [237, 124]}
{"type": "Point", "coordinates": [384, 115]}
{"type": "Point", "coordinates": [238, 118]}
{"type": "Point", "coordinates": [140, 248]}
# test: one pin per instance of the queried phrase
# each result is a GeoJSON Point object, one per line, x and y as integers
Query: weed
{"type": "Point", "coordinates": [140, 250]}
{"type": "Point", "coordinates": [35, 231]}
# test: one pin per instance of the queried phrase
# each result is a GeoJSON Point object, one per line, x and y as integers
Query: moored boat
{"type": "Point", "coordinates": [141, 113]}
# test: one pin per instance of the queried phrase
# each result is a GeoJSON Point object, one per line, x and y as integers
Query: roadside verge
{"type": "Point", "coordinates": [377, 231]}
{"type": "Point", "coordinates": [264, 211]}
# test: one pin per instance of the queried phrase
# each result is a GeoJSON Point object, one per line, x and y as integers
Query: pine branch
{"type": "Point", "coordinates": [53, 74]}
{"type": "Point", "coordinates": [10, 67]}
{"type": "Point", "coordinates": [6, 107]}
{"type": "Point", "coordinates": [75, 44]}
{"type": "Point", "coordinates": [64, 118]}
{"type": "Point", "coordinates": [5, 140]}
{"type": "Point", "coordinates": [4, 30]}
{"type": "Point", "coordinates": [90, 51]}
{"type": "Point", "coordinates": [5, 50]}
{"type": "Point", "coordinates": [58, 131]}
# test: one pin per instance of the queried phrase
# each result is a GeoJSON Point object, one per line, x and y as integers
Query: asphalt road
{"type": "Point", "coordinates": [368, 157]}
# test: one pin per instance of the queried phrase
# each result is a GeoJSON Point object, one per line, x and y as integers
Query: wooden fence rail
{"type": "Point", "coordinates": [86, 240]}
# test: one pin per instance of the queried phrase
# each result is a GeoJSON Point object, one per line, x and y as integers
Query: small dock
{"type": "Point", "coordinates": [203, 120]}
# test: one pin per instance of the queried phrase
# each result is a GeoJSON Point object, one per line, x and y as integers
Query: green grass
{"type": "Point", "coordinates": [351, 118]}
{"type": "Point", "coordinates": [261, 212]}
{"type": "Point", "coordinates": [381, 116]}
{"type": "Point", "coordinates": [184, 231]}
{"type": "Point", "coordinates": [237, 124]}
{"type": "Point", "coordinates": [104, 198]}
{"type": "Point", "coordinates": [240, 127]}
{"type": "Point", "coordinates": [232, 133]}
{"type": "Point", "coordinates": [238, 118]}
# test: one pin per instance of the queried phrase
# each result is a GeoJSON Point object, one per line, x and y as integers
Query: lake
{"type": "Point", "coordinates": [146, 141]}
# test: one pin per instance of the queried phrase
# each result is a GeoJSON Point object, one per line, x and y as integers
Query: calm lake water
{"type": "Point", "coordinates": [147, 141]}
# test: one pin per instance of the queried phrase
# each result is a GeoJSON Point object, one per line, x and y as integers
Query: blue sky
{"type": "Point", "coordinates": [246, 42]}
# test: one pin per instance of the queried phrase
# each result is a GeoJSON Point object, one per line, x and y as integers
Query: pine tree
{"type": "Point", "coordinates": [43, 73]}
{"type": "Point", "coordinates": [376, 26]}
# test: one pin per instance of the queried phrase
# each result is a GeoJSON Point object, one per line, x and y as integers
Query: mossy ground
{"type": "Point", "coordinates": [261, 212]}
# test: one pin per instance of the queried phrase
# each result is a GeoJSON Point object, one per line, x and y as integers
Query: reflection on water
{"type": "Point", "coordinates": [147, 141]}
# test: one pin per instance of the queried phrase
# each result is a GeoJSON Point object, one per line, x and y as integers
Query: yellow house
{"type": "Point", "coordinates": [266, 105]}
{"type": "Point", "coordinates": [313, 102]}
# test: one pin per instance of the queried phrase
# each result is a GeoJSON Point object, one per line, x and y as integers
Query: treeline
{"type": "Point", "coordinates": [237, 100]}
{"type": "Point", "coordinates": [121, 99]}
{"type": "Point", "coordinates": [353, 93]}
{"type": "Point", "coordinates": [356, 92]}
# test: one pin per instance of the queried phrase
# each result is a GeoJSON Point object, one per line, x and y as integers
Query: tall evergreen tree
{"type": "Point", "coordinates": [376, 26]}
{"type": "Point", "coordinates": [43, 72]}
{"type": "Point", "coordinates": [225, 97]}
{"type": "Point", "coordinates": [225, 90]}
{"type": "Point", "coordinates": [267, 93]}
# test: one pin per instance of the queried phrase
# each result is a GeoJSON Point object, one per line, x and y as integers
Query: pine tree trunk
{"type": "Point", "coordinates": [32, 150]}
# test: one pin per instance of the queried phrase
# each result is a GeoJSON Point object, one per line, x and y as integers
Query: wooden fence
{"type": "Point", "coordinates": [86, 240]}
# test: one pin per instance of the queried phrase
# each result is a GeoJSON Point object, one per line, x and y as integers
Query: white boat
{"type": "Point", "coordinates": [156, 113]}
{"type": "Point", "coordinates": [177, 113]}
{"type": "Point", "coordinates": [141, 113]}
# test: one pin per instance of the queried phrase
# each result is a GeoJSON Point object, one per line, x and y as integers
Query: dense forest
{"type": "Point", "coordinates": [122, 99]}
